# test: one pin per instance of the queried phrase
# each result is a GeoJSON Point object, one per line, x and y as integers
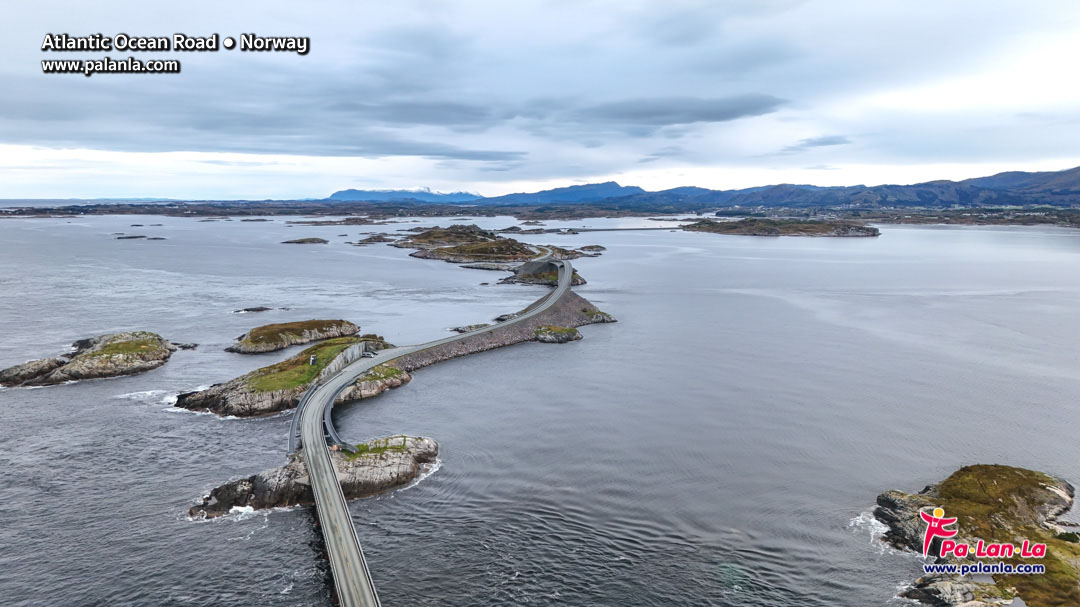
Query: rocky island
{"type": "Point", "coordinates": [376, 466]}
{"type": "Point", "coordinates": [783, 227]}
{"type": "Point", "coordinates": [279, 386]}
{"type": "Point", "coordinates": [109, 355]}
{"type": "Point", "coordinates": [994, 504]}
{"type": "Point", "coordinates": [270, 338]}
{"type": "Point", "coordinates": [550, 334]}
{"type": "Point", "coordinates": [472, 244]}
{"type": "Point", "coordinates": [306, 241]}
{"type": "Point", "coordinates": [525, 275]}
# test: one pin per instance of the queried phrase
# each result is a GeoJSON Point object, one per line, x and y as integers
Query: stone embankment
{"type": "Point", "coordinates": [571, 310]}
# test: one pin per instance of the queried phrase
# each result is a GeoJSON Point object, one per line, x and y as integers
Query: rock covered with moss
{"type": "Point", "coordinates": [550, 334]}
{"type": "Point", "coordinates": [457, 234]}
{"type": "Point", "coordinates": [992, 503]}
{"type": "Point", "coordinates": [270, 338]}
{"type": "Point", "coordinates": [109, 355]}
{"type": "Point", "coordinates": [375, 381]}
{"type": "Point", "coordinates": [548, 278]}
{"type": "Point", "coordinates": [377, 466]}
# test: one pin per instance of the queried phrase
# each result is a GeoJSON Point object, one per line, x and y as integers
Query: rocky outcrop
{"type": "Point", "coordinates": [993, 504]}
{"type": "Point", "coordinates": [378, 466]}
{"type": "Point", "coordinates": [373, 383]}
{"type": "Point", "coordinates": [548, 334]}
{"type": "Point", "coordinates": [21, 374]}
{"type": "Point", "coordinates": [548, 278]}
{"type": "Point", "coordinates": [280, 386]}
{"type": "Point", "coordinates": [501, 250]}
{"type": "Point", "coordinates": [306, 241]}
{"type": "Point", "coordinates": [373, 239]}
{"type": "Point", "coordinates": [270, 338]}
{"type": "Point", "coordinates": [237, 398]}
{"type": "Point", "coordinates": [458, 234]}
{"type": "Point", "coordinates": [109, 355]}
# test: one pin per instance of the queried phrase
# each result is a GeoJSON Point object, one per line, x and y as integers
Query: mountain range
{"type": "Point", "coordinates": [1053, 188]}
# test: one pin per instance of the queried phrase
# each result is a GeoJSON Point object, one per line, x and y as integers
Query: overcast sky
{"type": "Point", "coordinates": [504, 96]}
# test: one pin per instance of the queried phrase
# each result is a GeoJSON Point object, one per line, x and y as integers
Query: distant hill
{"type": "Point", "coordinates": [1052, 182]}
{"type": "Point", "coordinates": [575, 193]}
{"type": "Point", "coordinates": [423, 195]}
{"type": "Point", "coordinates": [1054, 188]}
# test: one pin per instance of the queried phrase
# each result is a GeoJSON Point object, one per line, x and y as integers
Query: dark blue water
{"type": "Point", "coordinates": [719, 446]}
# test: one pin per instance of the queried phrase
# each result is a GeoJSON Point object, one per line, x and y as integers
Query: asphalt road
{"type": "Point", "coordinates": [351, 576]}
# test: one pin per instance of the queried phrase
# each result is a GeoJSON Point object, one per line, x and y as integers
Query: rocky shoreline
{"type": "Point", "coordinates": [379, 465]}
{"type": "Point", "coordinates": [110, 355]}
{"type": "Point", "coordinates": [993, 504]}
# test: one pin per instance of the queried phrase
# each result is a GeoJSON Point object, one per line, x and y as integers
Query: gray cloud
{"type": "Point", "coordinates": [593, 88]}
{"type": "Point", "coordinates": [644, 114]}
{"type": "Point", "coordinates": [816, 142]}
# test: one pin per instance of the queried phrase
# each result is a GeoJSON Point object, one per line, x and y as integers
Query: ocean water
{"type": "Point", "coordinates": [721, 445]}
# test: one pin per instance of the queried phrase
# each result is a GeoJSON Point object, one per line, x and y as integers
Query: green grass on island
{"type": "Point", "coordinates": [133, 346]}
{"type": "Point", "coordinates": [277, 332]}
{"type": "Point", "coordinates": [397, 443]}
{"type": "Point", "coordinates": [996, 504]}
{"type": "Point", "coordinates": [295, 372]}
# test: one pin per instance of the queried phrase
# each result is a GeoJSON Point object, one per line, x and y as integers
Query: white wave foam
{"type": "Point", "coordinates": [426, 470]}
{"type": "Point", "coordinates": [242, 511]}
{"type": "Point", "coordinates": [867, 522]}
{"type": "Point", "coordinates": [144, 395]}
{"type": "Point", "coordinates": [174, 409]}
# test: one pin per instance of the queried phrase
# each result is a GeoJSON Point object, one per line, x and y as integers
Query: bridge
{"type": "Point", "coordinates": [313, 428]}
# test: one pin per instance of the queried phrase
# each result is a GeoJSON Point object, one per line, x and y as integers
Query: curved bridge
{"type": "Point", "coordinates": [313, 428]}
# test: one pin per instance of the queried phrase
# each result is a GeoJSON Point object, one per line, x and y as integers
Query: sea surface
{"type": "Point", "coordinates": [721, 445]}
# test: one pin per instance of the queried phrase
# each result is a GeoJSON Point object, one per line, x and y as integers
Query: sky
{"type": "Point", "coordinates": [494, 97]}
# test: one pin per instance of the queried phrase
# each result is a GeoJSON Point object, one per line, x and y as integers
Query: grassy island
{"type": "Point", "coordinates": [783, 227]}
{"type": "Point", "coordinates": [278, 336]}
{"type": "Point", "coordinates": [995, 504]}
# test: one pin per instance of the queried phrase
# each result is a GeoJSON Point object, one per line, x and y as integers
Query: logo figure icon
{"type": "Point", "coordinates": [935, 527]}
